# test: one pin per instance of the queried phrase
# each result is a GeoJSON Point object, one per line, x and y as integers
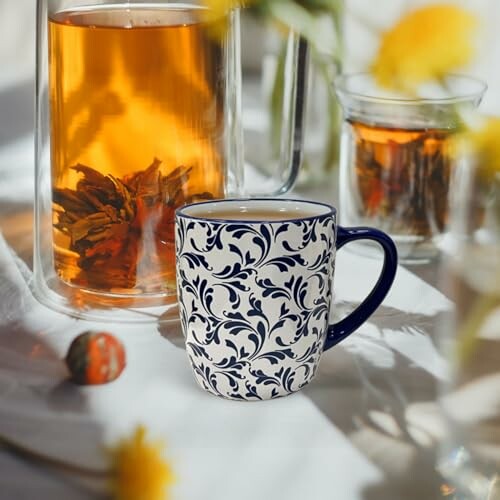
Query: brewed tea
{"type": "Point", "coordinates": [401, 178]}
{"type": "Point", "coordinates": [137, 97]}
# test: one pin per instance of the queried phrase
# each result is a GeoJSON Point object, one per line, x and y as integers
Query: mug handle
{"type": "Point", "coordinates": [341, 330]}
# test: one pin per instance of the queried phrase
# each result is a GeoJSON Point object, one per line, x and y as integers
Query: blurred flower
{"type": "Point", "coordinates": [484, 144]}
{"type": "Point", "coordinates": [425, 44]}
{"type": "Point", "coordinates": [302, 16]}
{"type": "Point", "coordinates": [139, 471]}
{"type": "Point", "coordinates": [220, 8]}
{"type": "Point", "coordinates": [216, 14]}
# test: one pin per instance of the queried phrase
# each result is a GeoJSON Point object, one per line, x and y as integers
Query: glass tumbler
{"type": "Point", "coordinates": [396, 161]}
{"type": "Point", "coordinates": [138, 113]}
{"type": "Point", "coordinates": [470, 458]}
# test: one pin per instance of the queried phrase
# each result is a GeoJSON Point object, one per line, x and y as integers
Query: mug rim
{"type": "Point", "coordinates": [330, 211]}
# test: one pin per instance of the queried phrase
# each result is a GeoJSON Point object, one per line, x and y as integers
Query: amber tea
{"type": "Point", "coordinates": [137, 124]}
{"type": "Point", "coordinates": [402, 177]}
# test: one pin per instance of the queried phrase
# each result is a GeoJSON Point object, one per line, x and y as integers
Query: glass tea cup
{"type": "Point", "coordinates": [396, 158]}
{"type": "Point", "coordinates": [138, 113]}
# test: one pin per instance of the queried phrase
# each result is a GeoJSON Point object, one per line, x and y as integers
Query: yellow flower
{"type": "Point", "coordinates": [139, 471]}
{"type": "Point", "coordinates": [425, 44]}
{"type": "Point", "coordinates": [220, 8]}
{"type": "Point", "coordinates": [216, 14]}
{"type": "Point", "coordinates": [484, 144]}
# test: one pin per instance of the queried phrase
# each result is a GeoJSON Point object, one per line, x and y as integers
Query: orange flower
{"type": "Point", "coordinates": [139, 471]}
{"type": "Point", "coordinates": [426, 44]}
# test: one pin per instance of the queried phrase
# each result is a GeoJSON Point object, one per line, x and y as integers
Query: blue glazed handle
{"type": "Point", "coordinates": [339, 331]}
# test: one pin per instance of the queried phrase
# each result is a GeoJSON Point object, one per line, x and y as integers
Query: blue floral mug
{"type": "Point", "coordinates": [254, 282]}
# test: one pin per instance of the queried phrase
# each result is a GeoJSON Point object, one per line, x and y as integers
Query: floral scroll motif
{"type": "Point", "coordinates": [254, 302]}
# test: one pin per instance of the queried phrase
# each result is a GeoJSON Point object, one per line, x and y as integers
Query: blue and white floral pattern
{"type": "Point", "coordinates": [254, 302]}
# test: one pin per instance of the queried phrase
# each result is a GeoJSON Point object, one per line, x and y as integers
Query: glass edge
{"type": "Point", "coordinates": [341, 91]}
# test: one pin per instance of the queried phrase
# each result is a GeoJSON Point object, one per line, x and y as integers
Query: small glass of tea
{"type": "Point", "coordinates": [396, 159]}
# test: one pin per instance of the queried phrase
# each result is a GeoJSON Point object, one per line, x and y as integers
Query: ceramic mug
{"type": "Point", "coordinates": [254, 283]}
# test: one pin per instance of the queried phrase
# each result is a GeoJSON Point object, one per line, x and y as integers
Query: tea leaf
{"type": "Point", "coordinates": [105, 218]}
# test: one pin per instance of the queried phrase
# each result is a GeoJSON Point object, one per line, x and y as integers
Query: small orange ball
{"type": "Point", "coordinates": [95, 358]}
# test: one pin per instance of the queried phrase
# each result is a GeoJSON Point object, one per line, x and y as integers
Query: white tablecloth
{"type": "Point", "coordinates": [365, 428]}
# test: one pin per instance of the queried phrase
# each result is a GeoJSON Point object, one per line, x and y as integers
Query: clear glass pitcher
{"type": "Point", "coordinates": [138, 112]}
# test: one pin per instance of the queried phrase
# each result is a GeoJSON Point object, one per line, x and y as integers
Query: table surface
{"type": "Point", "coordinates": [366, 428]}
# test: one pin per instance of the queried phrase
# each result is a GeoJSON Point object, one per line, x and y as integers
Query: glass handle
{"type": "Point", "coordinates": [293, 116]}
{"type": "Point", "coordinates": [293, 113]}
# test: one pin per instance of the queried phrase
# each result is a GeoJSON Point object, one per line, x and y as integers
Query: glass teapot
{"type": "Point", "coordinates": [138, 109]}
